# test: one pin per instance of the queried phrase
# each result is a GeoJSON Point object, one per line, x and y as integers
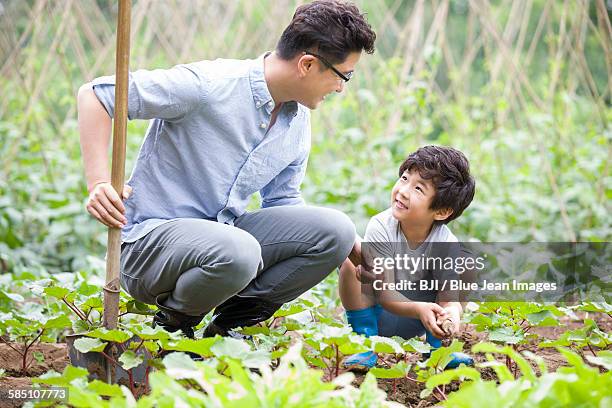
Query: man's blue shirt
{"type": "Point", "coordinates": [207, 148]}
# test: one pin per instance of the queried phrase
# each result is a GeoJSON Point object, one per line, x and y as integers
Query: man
{"type": "Point", "coordinates": [220, 131]}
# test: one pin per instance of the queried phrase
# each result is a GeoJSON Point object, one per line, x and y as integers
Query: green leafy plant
{"type": "Point", "coordinates": [329, 344]}
{"type": "Point", "coordinates": [511, 322]}
{"type": "Point", "coordinates": [26, 329]}
{"type": "Point", "coordinates": [435, 365]}
{"type": "Point", "coordinates": [185, 382]}
{"type": "Point", "coordinates": [587, 336]}
{"type": "Point", "coordinates": [576, 385]}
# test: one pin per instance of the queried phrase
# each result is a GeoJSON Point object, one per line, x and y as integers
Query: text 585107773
{"type": "Point", "coordinates": [35, 394]}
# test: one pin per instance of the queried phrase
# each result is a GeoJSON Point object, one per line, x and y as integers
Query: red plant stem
{"type": "Point", "coordinates": [24, 365]}
{"type": "Point", "coordinates": [139, 346]}
{"type": "Point", "coordinates": [443, 397]}
{"type": "Point", "coordinates": [131, 379]}
{"type": "Point", "coordinates": [77, 311]}
{"type": "Point", "coordinates": [394, 386]}
{"type": "Point", "coordinates": [112, 360]}
{"type": "Point", "coordinates": [129, 372]}
{"type": "Point", "coordinates": [23, 357]}
{"type": "Point", "coordinates": [17, 351]}
{"type": "Point", "coordinates": [411, 379]}
{"type": "Point", "coordinates": [337, 360]}
{"type": "Point", "coordinates": [515, 365]}
{"type": "Point", "coordinates": [30, 363]}
{"type": "Point", "coordinates": [591, 348]}
{"type": "Point", "coordinates": [147, 371]}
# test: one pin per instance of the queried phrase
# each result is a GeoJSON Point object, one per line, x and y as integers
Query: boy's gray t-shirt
{"type": "Point", "coordinates": [384, 227]}
{"type": "Point", "coordinates": [385, 237]}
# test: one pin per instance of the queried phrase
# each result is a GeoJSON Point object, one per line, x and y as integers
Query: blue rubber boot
{"type": "Point", "coordinates": [363, 321]}
{"type": "Point", "coordinates": [458, 357]}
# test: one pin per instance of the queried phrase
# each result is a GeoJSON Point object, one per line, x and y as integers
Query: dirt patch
{"type": "Point", "coordinates": [55, 358]}
{"type": "Point", "coordinates": [8, 383]}
{"type": "Point", "coordinates": [400, 390]}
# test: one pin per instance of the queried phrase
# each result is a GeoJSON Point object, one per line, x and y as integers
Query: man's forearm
{"type": "Point", "coordinates": [95, 131]}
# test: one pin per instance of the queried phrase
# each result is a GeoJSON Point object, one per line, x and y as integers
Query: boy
{"type": "Point", "coordinates": [221, 131]}
{"type": "Point", "coordinates": [434, 188]}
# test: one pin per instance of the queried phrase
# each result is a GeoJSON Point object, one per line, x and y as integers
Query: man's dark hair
{"type": "Point", "coordinates": [331, 28]}
{"type": "Point", "coordinates": [449, 171]}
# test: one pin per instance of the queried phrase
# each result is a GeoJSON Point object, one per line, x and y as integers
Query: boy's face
{"type": "Point", "coordinates": [320, 81]}
{"type": "Point", "coordinates": [411, 198]}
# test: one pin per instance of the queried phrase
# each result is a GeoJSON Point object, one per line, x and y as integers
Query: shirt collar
{"type": "Point", "coordinates": [259, 88]}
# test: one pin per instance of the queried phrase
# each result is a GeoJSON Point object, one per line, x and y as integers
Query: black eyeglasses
{"type": "Point", "coordinates": [345, 77]}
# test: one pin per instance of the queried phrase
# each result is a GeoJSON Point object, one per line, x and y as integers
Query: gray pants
{"type": "Point", "coordinates": [275, 254]}
{"type": "Point", "coordinates": [390, 325]}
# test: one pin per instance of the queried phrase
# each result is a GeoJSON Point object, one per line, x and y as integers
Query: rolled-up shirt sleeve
{"type": "Point", "coordinates": [168, 94]}
{"type": "Point", "coordinates": [284, 189]}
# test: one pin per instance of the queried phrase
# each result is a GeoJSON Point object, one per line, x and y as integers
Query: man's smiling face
{"type": "Point", "coordinates": [320, 81]}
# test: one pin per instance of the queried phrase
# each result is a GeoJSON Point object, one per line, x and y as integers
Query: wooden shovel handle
{"type": "Point", "coordinates": [111, 289]}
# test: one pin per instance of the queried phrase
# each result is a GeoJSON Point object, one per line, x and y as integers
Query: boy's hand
{"type": "Point", "coordinates": [364, 275]}
{"type": "Point", "coordinates": [105, 206]}
{"type": "Point", "coordinates": [429, 314]}
{"type": "Point", "coordinates": [449, 323]}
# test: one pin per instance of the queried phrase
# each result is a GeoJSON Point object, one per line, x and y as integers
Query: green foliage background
{"type": "Point", "coordinates": [535, 125]}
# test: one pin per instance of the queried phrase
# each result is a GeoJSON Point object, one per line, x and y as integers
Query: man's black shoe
{"type": "Point", "coordinates": [239, 311]}
{"type": "Point", "coordinates": [170, 324]}
{"type": "Point", "coordinates": [211, 330]}
{"type": "Point", "coordinates": [172, 321]}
